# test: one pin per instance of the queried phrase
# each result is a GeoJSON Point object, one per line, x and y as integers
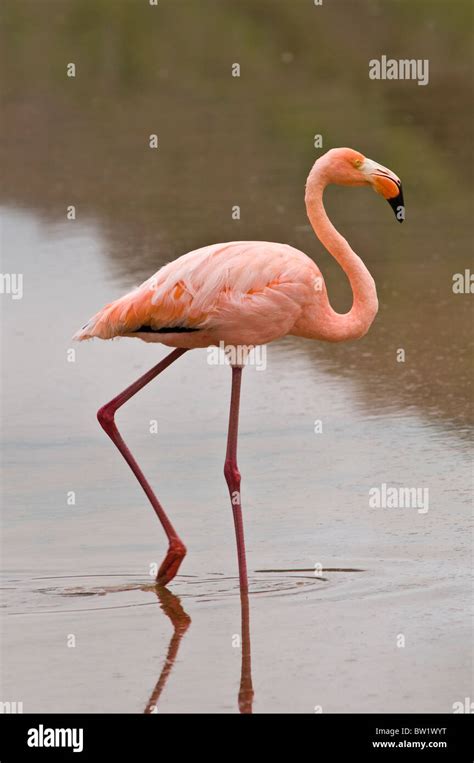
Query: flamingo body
{"type": "Point", "coordinates": [241, 292]}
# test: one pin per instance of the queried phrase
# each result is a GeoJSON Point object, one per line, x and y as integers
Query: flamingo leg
{"type": "Point", "coordinates": [232, 474]}
{"type": "Point", "coordinates": [105, 415]}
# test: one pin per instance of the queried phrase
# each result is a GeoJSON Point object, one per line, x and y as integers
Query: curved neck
{"type": "Point", "coordinates": [358, 320]}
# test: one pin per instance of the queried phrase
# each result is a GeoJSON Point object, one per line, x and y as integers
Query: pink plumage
{"type": "Point", "coordinates": [244, 293]}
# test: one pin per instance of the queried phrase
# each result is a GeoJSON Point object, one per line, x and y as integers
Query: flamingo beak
{"type": "Point", "coordinates": [387, 184]}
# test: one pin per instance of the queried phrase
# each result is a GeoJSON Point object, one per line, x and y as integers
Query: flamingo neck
{"type": "Point", "coordinates": [333, 326]}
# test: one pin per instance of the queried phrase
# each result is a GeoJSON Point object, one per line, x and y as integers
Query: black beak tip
{"type": "Point", "coordinates": [398, 206]}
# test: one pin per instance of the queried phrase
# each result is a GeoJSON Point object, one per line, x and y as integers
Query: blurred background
{"type": "Point", "coordinates": [249, 141]}
{"type": "Point", "coordinates": [246, 141]}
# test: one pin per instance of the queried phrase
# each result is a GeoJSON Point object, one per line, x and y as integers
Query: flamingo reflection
{"type": "Point", "coordinates": [246, 689]}
{"type": "Point", "coordinates": [180, 620]}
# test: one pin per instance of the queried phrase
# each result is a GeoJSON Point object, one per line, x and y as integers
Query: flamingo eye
{"type": "Point", "coordinates": [357, 163]}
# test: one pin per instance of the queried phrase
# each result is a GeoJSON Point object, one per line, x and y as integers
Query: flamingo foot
{"type": "Point", "coordinates": [171, 563]}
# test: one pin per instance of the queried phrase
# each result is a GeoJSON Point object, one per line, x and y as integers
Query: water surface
{"type": "Point", "coordinates": [81, 567]}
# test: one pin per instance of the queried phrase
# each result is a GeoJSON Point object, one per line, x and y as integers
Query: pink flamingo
{"type": "Point", "coordinates": [244, 293]}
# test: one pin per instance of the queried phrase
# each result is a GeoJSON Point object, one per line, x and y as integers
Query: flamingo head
{"type": "Point", "coordinates": [345, 166]}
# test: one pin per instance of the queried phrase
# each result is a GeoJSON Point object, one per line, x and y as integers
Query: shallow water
{"type": "Point", "coordinates": [335, 585]}
{"type": "Point", "coordinates": [325, 639]}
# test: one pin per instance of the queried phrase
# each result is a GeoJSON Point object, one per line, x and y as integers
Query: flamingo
{"type": "Point", "coordinates": [244, 293]}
